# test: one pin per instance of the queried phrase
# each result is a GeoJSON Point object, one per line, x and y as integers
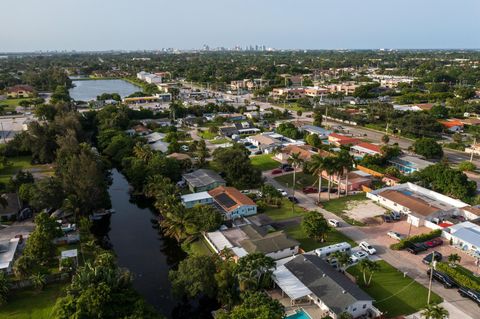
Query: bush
{"type": "Point", "coordinates": [457, 274]}
{"type": "Point", "coordinates": [466, 166]}
{"type": "Point", "coordinates": [402, 244]}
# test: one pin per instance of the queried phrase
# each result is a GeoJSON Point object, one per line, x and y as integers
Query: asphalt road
{"type": "Point", "coordinates": [394, 258]}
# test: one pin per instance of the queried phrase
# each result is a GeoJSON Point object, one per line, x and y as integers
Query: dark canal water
{"type": "Point", "coordinates": [147, 254]}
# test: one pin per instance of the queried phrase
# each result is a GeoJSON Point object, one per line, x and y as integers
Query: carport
{"type": "Point", "coordinates": [290, 285]}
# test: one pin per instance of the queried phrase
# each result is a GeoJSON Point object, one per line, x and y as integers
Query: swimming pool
{"type": "Point", "coordinates": [300, 314]}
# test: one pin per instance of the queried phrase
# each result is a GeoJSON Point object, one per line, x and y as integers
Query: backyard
{"type": "Point", "coordinates": [199, 247]}
{"type": "Point", "coordinates": [16, 164]}
{"type": "Point", "coordinates": [264, 162]}
{"type": "Point", "coordinates": [29, 304]}
{"type": "Point", "coordinates": [394, 293]}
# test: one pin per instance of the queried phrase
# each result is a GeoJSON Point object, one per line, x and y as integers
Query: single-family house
{"type": "Point", "coordinates": [319, 131]}
{"type": "Point", "coordinates": [201, 198]}
{"type": "Point", "coordinates": [308, 278]}
{"type": "Point", "coordinates": [452, 125]}
{"type": "Point", "coordinates": [465, 236]}
{"type": "Point", "coordinates": [408, 164]}
{"type": "Point", "coordinates": [20, 91]}
{"type": "Point", "coordinates": [203, 180]}
{"type": "Point", "coordinates": [339, 140]}
{"type": "Point", "coordinates": [269, 141]}
{"type": "Point", "coordinates": [361, 149]}
{"type": "Point", "coordinates": [232, 202]}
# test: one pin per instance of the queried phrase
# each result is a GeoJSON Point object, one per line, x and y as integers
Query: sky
{"type": "Point", "coordinates": [91, 25]}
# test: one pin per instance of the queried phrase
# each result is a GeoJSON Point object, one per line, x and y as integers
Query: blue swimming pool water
{"type": "Point", "coordinates": [299, 315]}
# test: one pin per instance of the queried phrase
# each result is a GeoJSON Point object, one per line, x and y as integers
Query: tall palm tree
{"type": "Point", "coordinates": [347, 162]}
{"type": "Point", "coordinates": [254, 269]}
{"type": "Point", "coordinates": [331, 168]}
{"type": "Point", "coordinates": [370, 267]}
{"type": "Point", "coordinates": [143, 152]}
{"type": "Point", "coordinates": [343, 259]}
{"type": "Point", "coordinates": [296, 161]}
{"type": "Point", "coordinates": [434, 312]}
{"type": "Point", "coordinates": [317, 166]}
{"type": "Point", "coordinates": [453, 259]}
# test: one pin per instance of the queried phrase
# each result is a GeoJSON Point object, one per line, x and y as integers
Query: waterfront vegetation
{"type": "Point", "coordinates": [394, 293]}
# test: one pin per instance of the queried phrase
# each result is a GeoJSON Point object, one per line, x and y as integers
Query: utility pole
{"type": "Point", "coordinates": [432, 264]}
{"type": "Point", "coordinates": [473, 149]}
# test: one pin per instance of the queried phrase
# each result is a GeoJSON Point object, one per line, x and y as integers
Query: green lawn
{"type": "Point", "coordinates": [301, 180]}
{"type": "Point", "coordinates": [19, 163]}
{"type": "Point", "coordinates": [338, 205]}
{"type": "Point", "coordinates": [394, 294]}
{"type": "Point", "coordinates": [264, 162]}
{"type": "Point", "coordinates": [199, 247]}
{"type": "Point", "coordinates": [285, 211]}
{"type": "Point", "coordinates": [220, 141]}
{"type": "Point", "coordinates": [28, 304]}
{"type": "Point", "coordinates": [11, 104]}
{"type": "Point", "coordinates": [207, 135]}
{"type": "Point", "coordinates": [308, 244]}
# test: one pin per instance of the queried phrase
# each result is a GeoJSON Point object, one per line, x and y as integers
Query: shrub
{"type": "Point", "coordinates": [457, 274]}
{"type": "Point", "coordinates": [402, 244]}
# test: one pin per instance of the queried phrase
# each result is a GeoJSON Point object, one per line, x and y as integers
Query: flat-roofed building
{"type": "Point", "coordinates": [408, 164]}
{"type": "Point", "coordinates": [203, 180]}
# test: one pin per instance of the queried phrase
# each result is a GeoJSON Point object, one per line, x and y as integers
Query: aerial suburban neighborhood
{"type": "Point", "coordinates": [154, 176]}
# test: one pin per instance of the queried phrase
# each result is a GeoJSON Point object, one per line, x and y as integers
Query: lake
{"type": "Point", "coordinates": [87, 90]}
{"type": "Point", "coordinates": [147, 253]}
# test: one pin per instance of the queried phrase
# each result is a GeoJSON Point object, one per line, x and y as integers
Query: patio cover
{"type": "Point", "coordinates": [290, 284]}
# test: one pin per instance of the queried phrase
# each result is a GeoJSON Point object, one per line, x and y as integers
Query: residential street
{"type": "Point", "coordinates": [399, 259]}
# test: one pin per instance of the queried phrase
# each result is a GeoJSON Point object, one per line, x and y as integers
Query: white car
{"type": "Point", "coordinates": [284, 193]}
{"type": "Point", "coordinates": [358, 255]}
{"type": "Point", "coordinates": [395, 235]}
{"type": "Point", "coordinates": [334, 222]}
{"type": "Point", "coordinates": [367, 247]}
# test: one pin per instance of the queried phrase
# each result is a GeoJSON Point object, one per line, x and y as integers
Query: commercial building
{"type": "Point", "coordinates": [465, 236]}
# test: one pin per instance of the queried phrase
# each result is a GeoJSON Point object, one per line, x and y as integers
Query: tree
{"type": "Point", "coordinates": [47, 193]}
{"type": "Point", "coordinates": [313, 140]}
{"type": "Point", "coordinates": [345, 315]}
{"type": "Point", "coordinates": [428, 148]}
{"type": "Point", "coordinates": [288, 129]}
{"type": "Point", "coordinates": [296, 161]}
{"type": "Point", "coordinates": [39, 246]}
{"type": "Point", "coordinates": [434, 312]}
{"type": "Point", "coordinates": [317, 118]}
{"type": "Point", "coordinates": [315, 225]}
{"type": "Point", "coordinates": [317, 166]}
{"type": "Point", "coordinates": [23, 266]}
{"type": "Point", "coordinates": [385, 139]}
{"type": "Point", "coordinates": [466, 166]}
{"type": "Point", "coordinates": [343, 259]}
{"type": "Point", "coordinates": [453, 259]}
{"type": "Point", "coordinates": [194, 277]}
{"type": "Point", "coordinates": [4, 287]}
{"type": "Point", "coordinates": [254, 271]}
{"type": "Point", "coordinates": [368, 267]}
{"type": "Point", "coordinates": [256, 305]}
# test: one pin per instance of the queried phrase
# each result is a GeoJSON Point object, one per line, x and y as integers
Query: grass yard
{"type": "Point", "coordinates": [199, 247]}
{"type": "Point", "coordinates": [20, 163]}
{"type": "Point", "coordinates": [301, 180]}
{"type": "Point", "coordinates": [285, 211]}
{"type": "Point", "coordinates": [220, 141]}
{"type": "Point", "coordinates": [207, 135]}
{"type": "Point", "coordinates": [11, 104]}
{"type": "Point", "coordinates": [394, 294]}
{"type": "Point", "coordinates": [308, 244]}
{"type": "Point", "coordinates": [264, 162]}
{"type": "Point", "coordinates": [28, 304]}
{"type": "Point", "coordinates": [338, 205]}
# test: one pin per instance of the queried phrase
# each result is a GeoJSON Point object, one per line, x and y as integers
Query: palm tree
{"type": "Point", "coordinates": [343, 259]}
{"type": "Point", "coordinates": [295, 160]}
{"type": "Point", "coordinates": [317, 166]}
{"type": "Point", "coordinates": [368, 266]}
{"type": "Point", "coordinates": [254, 269]}
{"type": "Point", "coordinates": [453, 259]}
{"type": "Point", "coordinates": [434, 312]}
{"type": "Point", "coordinates": [347, 162]}
{"type": "Point", "coordinates": [330, 166]}
{"type": "Point", "coordinates": [38, 280]}
{"type": "Point", "coordinates": [143, 152]}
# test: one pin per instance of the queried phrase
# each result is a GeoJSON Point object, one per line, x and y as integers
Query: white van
{"type": "Point", "coordinates": [324, 252]}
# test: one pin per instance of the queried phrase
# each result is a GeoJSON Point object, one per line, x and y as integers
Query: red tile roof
{"type": "Point", "coordinates": [369, 146]}
{"type": "Point", "coordinates": [239, 198]}
{"type": "Point", "coordinates": [18, 88]}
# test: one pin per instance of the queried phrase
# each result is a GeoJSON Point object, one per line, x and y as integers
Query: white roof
{"type": "Point", "coordinates": [364, 150]}
{"type": "Point", "coordinates": [7, 257]}
{"type": "Point", "coordinates": [361, 173]}
{"type": "Point", "coordinates": [239, 251]}
{"type": "Point", "coordinates": [69, 253]}
{"type": "Point", "coordinates": [159, 146]}
{"type": "Point", "coordinates": [195, 197]}
{"type": "Point", "coordinates": [219, 240]}
{"type": "Point", "coordinates": [290, 284]}
{"type": "Point", "coordinates": [469, 235]}
{"type": "Point", "coordinates": [155, 136]}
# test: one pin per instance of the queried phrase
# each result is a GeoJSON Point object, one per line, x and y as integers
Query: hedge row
{"type": "Point", "coordinates": [402, 244]}
{"type": "Point", "coordinates": [456, 274]}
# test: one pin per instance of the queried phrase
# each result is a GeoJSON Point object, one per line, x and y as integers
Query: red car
{"type": "Point", "coordinates": [434, 242]}
{"type": "Point", "coordinates": [277, 171]}
{"type": "Point", "coordinates": [310, 190]}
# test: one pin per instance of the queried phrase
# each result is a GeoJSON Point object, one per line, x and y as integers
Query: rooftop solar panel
{"type": "Point", "coordinates": [225, 200]}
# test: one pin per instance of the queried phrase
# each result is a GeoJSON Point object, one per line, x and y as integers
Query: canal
{"type": "Point", "coordinates": [147, 254]}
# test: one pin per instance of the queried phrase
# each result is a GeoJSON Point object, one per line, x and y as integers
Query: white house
{"type": "Point", "coordinates": [465, 236]}
{"type": "Point", "coordinates": [201, 198]}
{"type": "Point", "coordinates": [8, 249]}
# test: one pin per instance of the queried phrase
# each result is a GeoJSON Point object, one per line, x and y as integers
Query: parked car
{"type": "Point", "coordinates": [293, 199]}
{"type": "Point", "coordinates": [471, 294]}
{"type": "Point", "coordinates": [428, 258]}
{"type": "Point", "coordinates": [434, 242]}
{"type": "Point", "coordinates": [395, 215]}
{"type": "Point", "coordinates": [277, 171]}
{"type": "Point", "coordinates": [442, 278]}
{"type": "Point", "coordinates": [416, 248]}
{"type": "Point", "coordinates": [310, 190]}
{"type": "Point", "coordinates": [284, 166]}
{"type": "Point", "coordinates": [288, 169]}
{"type": "Point", "coordinates": [395, 235]}
{"type": "Point", "coordinates": [358, 255]}
{"type": "Point", "coordinates": [284, 193]}
{"type": "Point", "coordinates": [333, 222]}
{"type": "Point", "coordinates": [387, 218]}
{"type": "Point", "coordinates": [367, 247]}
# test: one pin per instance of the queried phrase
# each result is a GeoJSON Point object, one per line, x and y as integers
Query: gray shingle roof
{"type": "Point", "coordinates": [329, 285]}
{"type": "Point", "coordinates": [259, 240]}
{"type": "Point", "coordinates": [203, 177]}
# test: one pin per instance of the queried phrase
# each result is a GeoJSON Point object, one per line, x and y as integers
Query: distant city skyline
{"type": "Point", "coordinates": [92, 25]}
